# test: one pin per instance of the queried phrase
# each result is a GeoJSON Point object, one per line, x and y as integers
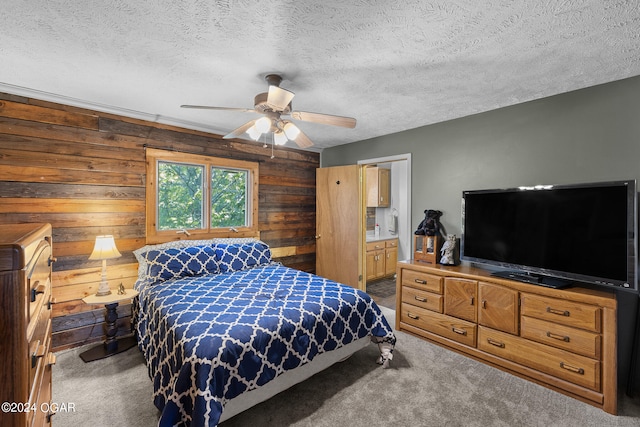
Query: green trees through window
{"type": "Point", "coordinates": [199, 195]}
{"type": "Point", "coordinates": [228, 197]}
{"type": "Point", "coordinates": [180, 195]}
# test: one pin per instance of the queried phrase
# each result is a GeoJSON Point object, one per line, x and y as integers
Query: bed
{"type": "Point", "coordinates": [222, 327]}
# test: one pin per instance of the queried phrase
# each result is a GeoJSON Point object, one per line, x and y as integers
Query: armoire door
{"type": "Point", "coordinates": [339, 213]}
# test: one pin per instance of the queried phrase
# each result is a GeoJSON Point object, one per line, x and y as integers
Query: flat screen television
{"type": "Point", "coordinates": [555, 235]}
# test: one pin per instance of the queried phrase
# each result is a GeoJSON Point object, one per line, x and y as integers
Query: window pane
{"type": "Point", "coordinates": [180, 192]}
{"type": "Point", "coordinates": [228, 198]}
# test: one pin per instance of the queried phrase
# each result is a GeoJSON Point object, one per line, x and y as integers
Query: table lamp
{"type": "Point", "coordinates": [104, 249]}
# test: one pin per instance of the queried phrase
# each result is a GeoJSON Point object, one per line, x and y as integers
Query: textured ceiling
{"type": "Point", "coordinates": [392, 65]}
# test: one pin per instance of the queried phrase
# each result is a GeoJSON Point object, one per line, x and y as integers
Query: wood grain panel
{"type": "Point", "coordinates": [66, 136]}
{"type": "Point", "coordinates": [28, 174]}
{"type": "Point", "coordinates": [61, 340]}
{"type": "Point", "coordinates": [88, 161]}
{"type": "Point", "coordinates": [87, 318]}
{"type": "Point", "coordinates": [47, 115]}
{"type": "Point", "coordinates": [70, 205]}
{"type": "Point", "coordinates": [87, 275]}
{"type": "Point", "coordinates": [65, 191]}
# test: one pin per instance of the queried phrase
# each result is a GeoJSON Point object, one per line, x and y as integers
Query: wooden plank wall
{"type": "Point", "coordinates": [84, 172]}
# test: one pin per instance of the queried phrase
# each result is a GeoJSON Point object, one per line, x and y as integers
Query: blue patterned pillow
{"type": "Point", "coordinates": [240, 256]}
{"type": "Point", "coordinates": [141, 253]}
{"type": "Point", "coordinates": [165, 264]}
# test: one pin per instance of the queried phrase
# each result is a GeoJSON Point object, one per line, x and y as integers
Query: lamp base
{"type": "Point", "coordinates": [103, 287]}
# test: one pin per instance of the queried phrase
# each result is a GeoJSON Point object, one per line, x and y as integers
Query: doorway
{"type": "Point", "coordinates": [393, 221]}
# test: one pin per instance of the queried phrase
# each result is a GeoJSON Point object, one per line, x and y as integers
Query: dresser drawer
{"type": "Point", "coordinates": [583, 316]}
{"type": "Point", "coordinates": [446, 326]}
{"type": "Point", "coordinates": [40, 390]}
{"type": "Point", "coordinates": [562, 364]}
{"type": "Point", "coordinates": [421, 298]}
{"type": "Point", "coordinates": [372, 246]}
{"type": "Point", "coordinates": [427, 282]}
{"type": "Point", "coordinates": [575, 340]}
{"type": "Point", "coordinates": [38, 278]}
{"type": "Point", "coordinates": [39, 343]}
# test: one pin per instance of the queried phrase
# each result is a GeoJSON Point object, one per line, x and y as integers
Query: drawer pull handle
{"type": "Point", "coordinates": [484, 303]}
{"type": "Point", "coordinates": [38, 289]}
{"type": "Point", "coordinates": [412, 316]}
{"type": "Point", "coordinates": [422, 282]}
{"type": "Point", "coordinates": [558, 312]}
{"type": "Point", "coordinates": [458, 331]}
{"type": "Point", "coordinates": [472, 300]}
{"type": "Point", "coordinates": [496, 343]}
{"type": "Point", "coordinates": [572, 368]}
{"type": "Point", "coordinates": [39, 352]}
{"type": "Point", "coordinates": [51, 359]}
{"type": "Point", "coordinates": [558, 337]}
{"type": "Point", "coordinates": [421, 299]}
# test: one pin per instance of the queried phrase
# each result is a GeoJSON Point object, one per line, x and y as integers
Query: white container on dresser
{"type": "Point", "coordinates": [563, 339]}
{"type": "Point", "coordinates": [25, 324]}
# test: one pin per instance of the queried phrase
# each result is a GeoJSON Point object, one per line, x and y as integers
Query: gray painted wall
{"type": "Point", "coordinates": [583, 136]}
{"type": "Point", "coordinates": [588, 135]}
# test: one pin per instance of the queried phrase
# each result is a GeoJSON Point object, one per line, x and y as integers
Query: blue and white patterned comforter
{"type": "Point", "coordinates": [209, 338]}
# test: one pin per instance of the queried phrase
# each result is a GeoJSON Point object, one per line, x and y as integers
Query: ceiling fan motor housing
{"type": "Point", "coordinates": [261, 106]}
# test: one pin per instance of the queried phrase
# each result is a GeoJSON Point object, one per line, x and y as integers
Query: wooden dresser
{"type": "Point", "coordinates": [25, 324]}
{"type": "Point", "coordinates": [563, 339]}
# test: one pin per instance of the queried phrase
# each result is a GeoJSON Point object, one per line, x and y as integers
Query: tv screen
{"type": "Point", "coordinates": [555, 235]}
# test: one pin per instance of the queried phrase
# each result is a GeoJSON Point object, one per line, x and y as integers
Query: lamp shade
{"type": "Point", "coordinates": [105, 248]}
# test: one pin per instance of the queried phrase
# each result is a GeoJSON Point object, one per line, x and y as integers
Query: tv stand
{"type": "Point", "coordinates": [535, 279]}
{"type": "Point", "coordinates": [563, 339]}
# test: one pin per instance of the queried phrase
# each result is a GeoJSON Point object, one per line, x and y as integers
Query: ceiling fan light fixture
{"type": "Point", "coordinates": [254, 133]}
{"type": "Point", "coordinates": [263, 124]}
{"type": "Point", "coordinates": [279, 138]}
{"type": "Point", "coordinates": [291, 131]}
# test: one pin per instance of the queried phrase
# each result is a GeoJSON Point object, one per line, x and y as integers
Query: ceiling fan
{"type": "Point", "coordinates": [275, 105]}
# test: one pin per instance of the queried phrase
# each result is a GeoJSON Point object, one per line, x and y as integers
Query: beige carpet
{"type": "Point", "coordinates": [426, 386]}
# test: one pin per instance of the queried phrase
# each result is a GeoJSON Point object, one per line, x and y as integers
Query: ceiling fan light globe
{"type": "Point", "coordinates": [279, 138]}
{"type": "Point", "coordinates": [263, 124]}
{"type": "Point", "coordinates": [291, 131]}
{"type": "Point", "coordinates": [254, 133]}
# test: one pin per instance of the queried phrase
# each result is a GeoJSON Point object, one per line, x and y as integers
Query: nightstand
{"type": "Point", "coordinates": [111, 345]}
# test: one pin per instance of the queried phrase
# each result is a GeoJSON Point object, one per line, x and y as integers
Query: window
{"type": "Point", "coordinates": [200, 195]}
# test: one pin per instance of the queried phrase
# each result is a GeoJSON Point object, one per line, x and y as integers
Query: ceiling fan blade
{"type": "Point", "coordinates": [207, 107]}
{"type": "Point", "coordinates": [325, 119]}
{"type": "Point", "coordinates": [239, 131]}
{"type": "Point", "coordinates": [303, 140]}
{"type": "Point", "coordinates": [279, 98]}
